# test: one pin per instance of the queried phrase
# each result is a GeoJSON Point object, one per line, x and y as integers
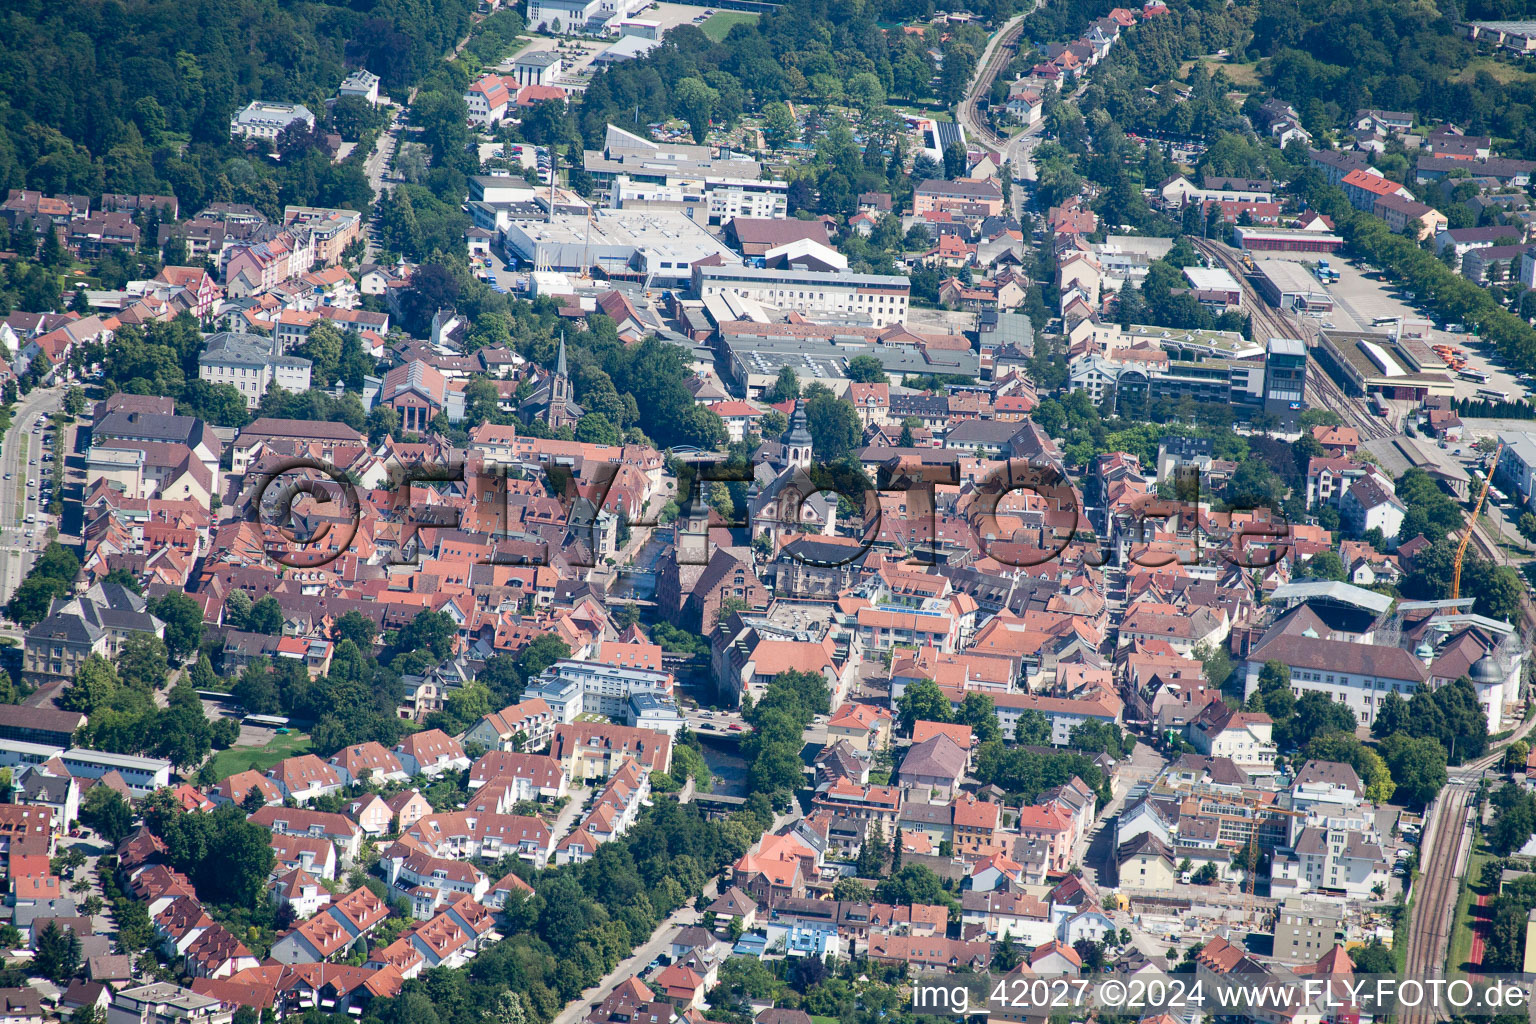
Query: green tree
{"type": "Point", "coordinates": [183, 619]}
{"type": "Point", "coordinates": [785, 387]}
{"type": "Point", "coordinates": [256, 689]}
{"type": "Point", "coordinates": [106, 813]}
{"type": "Point", "coordinates": [1391, 716]}
{"type": "Point", "coordinates": [540, 654]}
{"type": "Point", "coordinates": [1417, 766]}
{"type": "Point", "coordinates": [1373, 958]}
{"type": "Point", "coordinates": [695, 102]}
{"type": "Point", "coordinates": [978, 712]}
{"type": "Point", "coordinates": [1316, 714]}
{"type": "Point", "coordinates": [142, 662]}
{"type": "Point", "coordinates": [265, 616]}
{"type": "Point", "coordinates": [1031, 729]}
{"type": "Point", "coordinates": [866, 370]}
{"type": "Point", "coordinates": [834, 426]}
{"type": "Point", "coordinates": [358, 628]}
{"type": "Point", "coordinates": [779, 125]}
{"type": "Point", "coordinates": [57, 953]}
{"type": "Point", "coordinates": [93, 686]}
{"type": "Point", "coordinates": [921, 701]}
{"type": "Point", "coordinates": [1325, 565]}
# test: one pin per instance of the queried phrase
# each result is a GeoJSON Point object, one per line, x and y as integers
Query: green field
{"type": "Point", "coordinates": [238, 759]}
{"type": "Point", "coordinates": [1461, 927]}
{"type": "Point", "coordinates": [1502, 72]}
{"type": "Point", "coordinates": [722, 22]}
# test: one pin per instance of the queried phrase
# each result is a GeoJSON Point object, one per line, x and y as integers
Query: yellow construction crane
{"type": "Point", "coordinates": [1466, 538]}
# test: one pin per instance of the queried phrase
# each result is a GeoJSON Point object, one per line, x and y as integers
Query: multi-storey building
{"type": "Point", "coordinates": [262, 120]}
{"type": "Point", "coordinates": [251, 364]}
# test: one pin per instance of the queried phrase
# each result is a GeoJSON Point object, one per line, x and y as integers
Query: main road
{"type": "Point", "coordinates": [17, 500]}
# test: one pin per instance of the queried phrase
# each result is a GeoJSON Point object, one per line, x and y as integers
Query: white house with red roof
{"type": "Point", "coordinates": [741, 418]}
{"type": "Point", "coordinates": [865, 726]}
{"type": "Point", "coordinates": [488, 99]}
{"type": "Point", "coordinates": [430, 753]}
{"type": "Point", "coordinates": [305, 777]}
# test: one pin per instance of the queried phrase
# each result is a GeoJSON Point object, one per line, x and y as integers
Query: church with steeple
{"type": "Point", "coordinates": [553, 399]}
{"type": "Point", "coordinates": [781, 499]}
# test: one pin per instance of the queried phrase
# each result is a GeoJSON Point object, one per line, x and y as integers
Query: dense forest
{"type": "Point", "coordinates": [136, 96]}
{"type": "Point", "coordinates": [1333, 57]}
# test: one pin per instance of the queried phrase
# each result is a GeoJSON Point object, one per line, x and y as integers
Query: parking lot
{"type": "Point", "coordinates": [1360, 299]}
{"type": "Point", "coordinates": [578, 55]}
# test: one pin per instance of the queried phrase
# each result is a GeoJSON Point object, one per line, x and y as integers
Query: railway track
{"type": "Point", "coordinates": [1323, 391]}
{"type": "Point", "coordinates": [1435, 896]}
{"type": "Point", "coordinates": [998, 59]}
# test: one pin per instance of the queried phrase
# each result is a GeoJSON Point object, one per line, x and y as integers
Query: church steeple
{"type": "Point", "coordinates": [797, 439]}
{"type": "Point", "coordinates": [560, 384]}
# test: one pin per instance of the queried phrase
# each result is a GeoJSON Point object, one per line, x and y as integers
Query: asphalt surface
{"type": "Point", "coordinates": [17, 550]}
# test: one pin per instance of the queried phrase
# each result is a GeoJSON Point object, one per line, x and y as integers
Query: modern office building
{"type": "Point", "coordinates": [1285, 378]}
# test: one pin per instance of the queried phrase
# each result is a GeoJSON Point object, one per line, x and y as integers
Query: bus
{"type": "Point", "coordinates": [1493, 394]}
{"type": "Point", "coordinates": [1474, 375]}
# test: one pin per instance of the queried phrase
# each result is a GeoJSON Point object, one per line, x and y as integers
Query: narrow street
{"type": "Point", "coordinates": [660, 939]}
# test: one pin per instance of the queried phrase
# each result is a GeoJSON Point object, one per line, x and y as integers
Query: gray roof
{"type": "Point", "coordinates": [149, 426]}
{"type": "Point", "coordinates": [938, 756]}
{"type": "Point", "coordinates": [229, 348]}
{"type": "Point", "coordinates": [1332, 772]}
{"type": "Point", "coordinates": [45, 788]}
{"type": "Point", "coordinates": [23, 916]}
{"type": "Point", "coordinates": [1334, 591]}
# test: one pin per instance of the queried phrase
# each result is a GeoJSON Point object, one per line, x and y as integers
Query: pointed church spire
{"type": "Point", "coordinates": [560, 364]}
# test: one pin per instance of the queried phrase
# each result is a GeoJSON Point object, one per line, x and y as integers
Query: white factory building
{"type": "Point", "coordinates": [880, 298]}
{"type": "Point", "coordinates": [654, 248]}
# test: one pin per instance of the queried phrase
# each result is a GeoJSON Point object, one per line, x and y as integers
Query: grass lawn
{"type": "Point", "coordinates": [721, 22]}
{"type": "Point", "coordinates": [1461, 927]}
{"type": "Point", "coordinates": [238, 759]}
{"type": "Point", "coordinates": [1238, 74]}
{"type": "Point", "coordinates": [1504, 73]}
{"type": "Point", "coordinates": [22, 467]}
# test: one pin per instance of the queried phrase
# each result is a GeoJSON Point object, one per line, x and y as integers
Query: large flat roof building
{"type": "Point", "coordinates": [1262, 239]}
{"type": "Point", "coordinates": [756, 351]}
{"type": "Point", "coordinates": [655, 248]}
{"type": "Point", "coordinates": [1288, 284]}
{"type": "Point", "coordinates": [881, 298]}
{"type": "Point", "coordinates": [643, 160]}
{"type": "Point", "coordinates": [1370, 363]}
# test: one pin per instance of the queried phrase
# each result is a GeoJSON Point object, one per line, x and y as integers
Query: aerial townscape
{"type": "Point", "coordinates": [638, 512]}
